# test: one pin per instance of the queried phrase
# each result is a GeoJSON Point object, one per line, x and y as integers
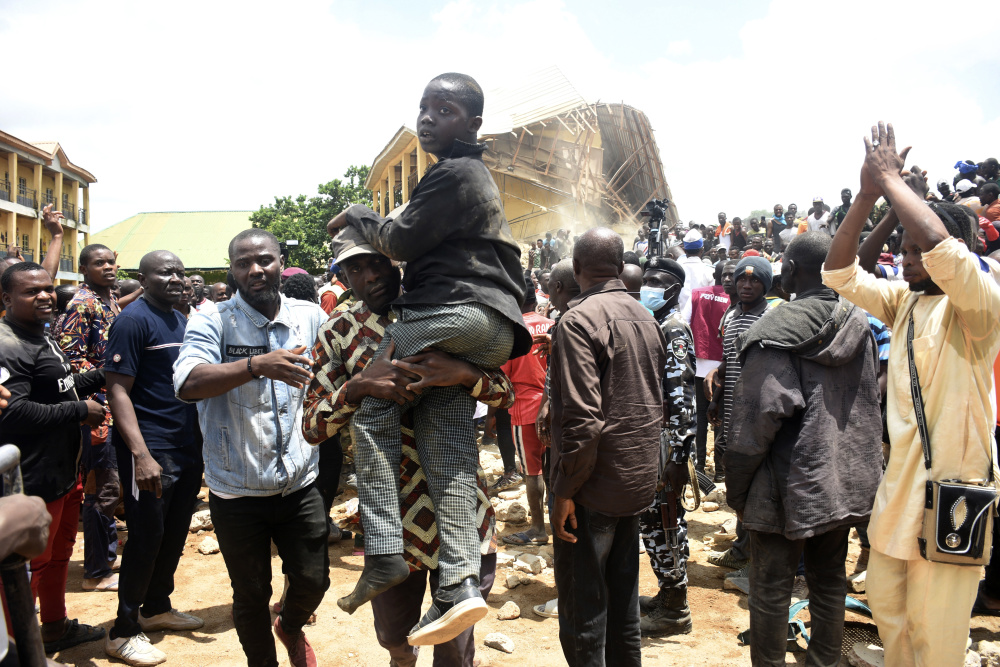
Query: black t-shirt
{"type": "Point", "coordinates": [143, 343]}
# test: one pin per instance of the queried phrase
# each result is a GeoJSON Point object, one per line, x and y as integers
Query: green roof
{"type": "Point", "coordinates": [199, 238]}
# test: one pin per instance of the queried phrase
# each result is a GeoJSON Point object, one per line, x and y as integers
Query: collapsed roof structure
{"type": "Point", "coordinates": [559, 161]}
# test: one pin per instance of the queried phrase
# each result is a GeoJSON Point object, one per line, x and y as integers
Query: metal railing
{"type": "Point", "coordinates": [29, 255]}
{"type": "Point", "coordinates": [5, 190]}
{"type": "Point", "coordinates": [83, 216]}
{"type": "Point", "coordinates": [66, 264]}
{"type": "Point", "coordinates": [48, 198]}
{"type": "Point", "coordinates": [69, 210]}
{"type": "Point", "coordinates": [27, 197]}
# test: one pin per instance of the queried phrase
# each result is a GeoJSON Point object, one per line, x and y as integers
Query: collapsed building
{"type": "Point", "coordinates": [559, 161]}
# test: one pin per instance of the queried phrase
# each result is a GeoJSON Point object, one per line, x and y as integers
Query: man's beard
{"type": "Point", "coordinates": [922, 286]}
{"type": "Point", "coordinates": [264, 298]}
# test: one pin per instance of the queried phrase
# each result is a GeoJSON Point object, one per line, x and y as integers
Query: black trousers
{"type": "Point", "coordinates": [701, 437]}
{"type": "Point", "coordinates": [398, 609]}
{"type": "Point", "coordinates": [246, 527]}
{"type": "Point", "coordinates": [505, 441]}
{"type": "Point", "coordinates": [774, 561]}
{"type": "Point", "coordinates": [158, 528]}
{"type": "Point", "coordinates": [331, 462]}
{"type": "Point", "coordinates": [598, 583]}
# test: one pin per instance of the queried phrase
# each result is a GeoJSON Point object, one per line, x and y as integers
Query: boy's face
{"type": "Point", "coordinates": [442, 119]}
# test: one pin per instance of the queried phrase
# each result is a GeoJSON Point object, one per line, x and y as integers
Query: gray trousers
{"type": "Point", "coordinates": [444, 433]}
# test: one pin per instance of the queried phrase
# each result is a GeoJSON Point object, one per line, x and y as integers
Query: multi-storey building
{"type": "Point", "coordinates": [36, 174]}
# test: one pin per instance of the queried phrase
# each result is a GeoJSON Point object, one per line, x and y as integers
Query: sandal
{"type": "Point", "coordinates": [522, 539]}
{"type": "Point", "coordinates": [76, 633]}
{"type": "Point", "coordinates": [108, 584]}
{"type": "Point", "coordinates": [548, 610]}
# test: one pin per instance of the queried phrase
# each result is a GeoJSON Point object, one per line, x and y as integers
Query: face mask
{"type": "Point", "coordinates": [652, 298]}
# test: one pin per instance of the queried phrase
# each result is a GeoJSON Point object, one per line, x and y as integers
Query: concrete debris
{"type": "Point", "coordinates": [989, 653]}
{"type": "Point", "coordinates": [513, 513]}
{"type": "Point", "coordinates": [709, 506]}
{"type": "Point", "coordinates": [201, 521]}
{"type": "Point", "coordinates": [506, 557]}
{"type": "Point", "coordinates": [208, 546]}
{"type": "Point", "coordinates": [529, 563]}
{"type": "Point", "coordinates": [509, 611]}
{"type": "Point", "coordinates": [515, 579]}
{"type": "Point", "coordinates": [500, 642]}
{"type": "Point", "coordinates": [866, 656]}
{"type": "Point", "coordinates": [511, 494]}
{"type": "Point", "coordinates": [857, 582]}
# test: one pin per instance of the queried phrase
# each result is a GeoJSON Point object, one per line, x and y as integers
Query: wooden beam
{"type": "Point", "coordinates": [518, 150]}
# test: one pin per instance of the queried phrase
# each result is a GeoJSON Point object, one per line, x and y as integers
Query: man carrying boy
{"type": "Point", "coordinates": [463, 286]}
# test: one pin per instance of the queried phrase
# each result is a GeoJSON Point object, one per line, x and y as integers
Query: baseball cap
{"type": "Point", "coordinates": [964, 185]}
{"type": "Point", "coordinates": [349, 243]}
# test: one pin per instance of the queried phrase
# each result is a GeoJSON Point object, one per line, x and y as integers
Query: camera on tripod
{"type": "Point", "coordinates": [656, 211]}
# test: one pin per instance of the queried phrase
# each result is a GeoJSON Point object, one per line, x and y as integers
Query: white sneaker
{"type": "Point", "coordinates": [170, 620]}
{"type": "Point", "coordinates": [134, 650]}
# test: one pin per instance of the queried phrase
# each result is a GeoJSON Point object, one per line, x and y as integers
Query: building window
{"type": "Point", "coordinates": [49, 198]}
{"type": "Point", "coordinates": [22, 187]}
{"type": "Point", "coordinates": [65, 200]}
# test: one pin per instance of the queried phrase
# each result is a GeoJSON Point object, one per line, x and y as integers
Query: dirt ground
{"type": "Point", "coordinates": [203, 589]}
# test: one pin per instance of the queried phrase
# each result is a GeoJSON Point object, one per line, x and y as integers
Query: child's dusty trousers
{"type": "Point", "coordinates": [444, 433]}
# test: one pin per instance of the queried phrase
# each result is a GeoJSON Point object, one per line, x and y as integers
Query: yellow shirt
{"type": "Point", "coordinates": [956, 338]}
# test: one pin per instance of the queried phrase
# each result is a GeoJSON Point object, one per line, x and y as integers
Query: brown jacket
{"type": "Point", "coordinates": [607, 410]}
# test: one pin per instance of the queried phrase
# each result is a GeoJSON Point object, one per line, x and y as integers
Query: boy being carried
{"type": "Point", "coordinates": [463, 285]}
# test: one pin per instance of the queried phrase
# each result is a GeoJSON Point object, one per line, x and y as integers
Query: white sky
{"type": "Point", "coordinates": [223, 105]}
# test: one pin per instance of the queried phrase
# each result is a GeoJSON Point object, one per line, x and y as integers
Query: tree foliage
{"type": "Point", "coordinates": [304, 218]}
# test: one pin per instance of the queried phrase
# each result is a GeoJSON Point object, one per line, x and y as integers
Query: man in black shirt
{"type": "Point", "coordinates": [43, 419]}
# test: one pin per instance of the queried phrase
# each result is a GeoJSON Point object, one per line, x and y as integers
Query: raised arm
{"type": "Point", "coordinates": [52, 222]}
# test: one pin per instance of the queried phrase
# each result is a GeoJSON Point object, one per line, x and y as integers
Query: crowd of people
{"type": "Point", "coordinates": [842, 366]}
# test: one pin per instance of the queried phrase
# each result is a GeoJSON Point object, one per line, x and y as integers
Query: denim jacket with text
{"type": "Point", "coordinates": [253, 435]}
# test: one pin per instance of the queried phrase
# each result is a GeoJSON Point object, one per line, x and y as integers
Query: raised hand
{"type": "Point", "coordinates": [917, 180]}
{"type": "Point", "coordinates": [52, 220]}
{"type": "Point", "coordinates": [881, 159]}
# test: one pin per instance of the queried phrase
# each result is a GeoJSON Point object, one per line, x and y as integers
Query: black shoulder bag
{"type": "Point", "coordinates": [958, 516]}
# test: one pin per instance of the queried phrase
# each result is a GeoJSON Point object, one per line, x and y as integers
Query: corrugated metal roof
{"type": "Point", "coordinates": [199, 238]}
{"type": "Point", "coordinates": [536, 96]}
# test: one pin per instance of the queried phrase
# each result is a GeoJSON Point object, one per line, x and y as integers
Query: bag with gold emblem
{"type": "Point", "coordinates": [958, 515]}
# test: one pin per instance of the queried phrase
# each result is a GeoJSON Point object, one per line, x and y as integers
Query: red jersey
{"type": "Point", "coordinates": [527, 373]}
{"type": "Point", "coordinates": [708, 305]}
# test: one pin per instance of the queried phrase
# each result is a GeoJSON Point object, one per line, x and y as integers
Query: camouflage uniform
{"type": "Point", "coordinates": [678, 389]}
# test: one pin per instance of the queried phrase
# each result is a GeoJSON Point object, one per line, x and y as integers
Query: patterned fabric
{"type": "Point", "coordinates": [345, 346]}
{"type": "Point", "coordinates": [668, 574]}
{"type": "Point", "coordinates": [736, 321]}
{"type": "Point", "coordinates": [882, 337]}
{"type": "Point", "coordinates": [678, 388]}
{"type": "Point", "coordinates": [84, 338]}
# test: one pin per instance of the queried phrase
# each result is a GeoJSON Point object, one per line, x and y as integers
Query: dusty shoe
{"type": "Point", "coordinates": [862, 563]}
{"type": "Point", "coordinates": [170, 620]}
{"type": "Point", "coordinates": [134, 650]}
{"type": "Point", "coordinates": [508, 480]}
{"type": "Point", "coordinates": [380, 574]}
{"type": "Point", "coordinates": [671, 617]}
{"type": "Point", "coordinates": [727, 559]}
{"type": "Point", "coordinates": [800, 589]}
{"type": "Point", "coordinates": [300, 653]}
{"type": "Point", "coordinates": [647, 603]}
{"type": "Point", "coordinates": [451, 613]}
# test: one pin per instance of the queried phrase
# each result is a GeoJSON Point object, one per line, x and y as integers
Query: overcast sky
{"type": "Point", "coordinates": [217, 105]}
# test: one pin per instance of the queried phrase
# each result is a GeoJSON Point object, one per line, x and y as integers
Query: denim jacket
{"type": "Point", "coordinates": [253, 433]}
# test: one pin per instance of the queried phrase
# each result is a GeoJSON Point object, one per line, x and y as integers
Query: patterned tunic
{"type": "Point", "coordinates": [347, 342]}
{"type": "Point", "coordinates": [84, 338]}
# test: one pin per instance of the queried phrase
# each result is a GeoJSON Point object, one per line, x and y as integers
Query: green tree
{"type": "Point", "coordinates": [304, 218]}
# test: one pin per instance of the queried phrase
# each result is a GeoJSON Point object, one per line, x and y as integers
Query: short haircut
{"type": "Point", "coordinates": [7, 279]}
{"type": "Point", "coordinates": [90, 250]}
{"type": "Point", "coordinates": [631, 257]}
{"type": "Point", "coordinates": [960, 221]}
{"type": "Point", "coordinates": [988, 189]}
{"type": "Point", "coordinates": [64, 294]}
{"type": "Point", "coordinates": [251, 234]}
{"type": "Point", "coordinates": [600, 246]}
{"type": "Point", "coordinates": [466, 89]}
{"type": "Point", "coordinates": [127, 286]}
{"type": "Point", "coordinates": [300, 286]}
{"type": "Point", "coordinates": [809, 250]}
{"type": "Point", "coordinates": [562, 272]}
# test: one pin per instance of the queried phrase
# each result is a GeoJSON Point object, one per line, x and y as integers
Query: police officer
{"type": "Point", "coordinates": [667, 613]}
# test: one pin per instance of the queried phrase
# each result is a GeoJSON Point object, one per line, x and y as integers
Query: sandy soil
{"type": "Point", "coordinates": [203, 589]}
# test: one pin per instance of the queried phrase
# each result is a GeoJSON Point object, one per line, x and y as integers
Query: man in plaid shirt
{"type": "Point", "coordinates": [347, 371]}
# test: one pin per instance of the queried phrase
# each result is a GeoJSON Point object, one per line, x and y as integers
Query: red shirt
{"type": "Point", "coordinates": [527, 373]}
{"type": "Point", "coordinates": [708, 305]}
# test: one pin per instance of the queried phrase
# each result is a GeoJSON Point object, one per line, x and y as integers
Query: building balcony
{"type": "Point", "coordinates": [5, 190]}
{"type": "Point", "coordinates": [82, 219]}
{"type": "Point", "coordinates": [27, 197]}
{"type": "Point", "coordinates": [66, 264]}
{"type": "Point", "coordinates": [69, 210]}
{"type": "Point", "coordinates": [28, 254]}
